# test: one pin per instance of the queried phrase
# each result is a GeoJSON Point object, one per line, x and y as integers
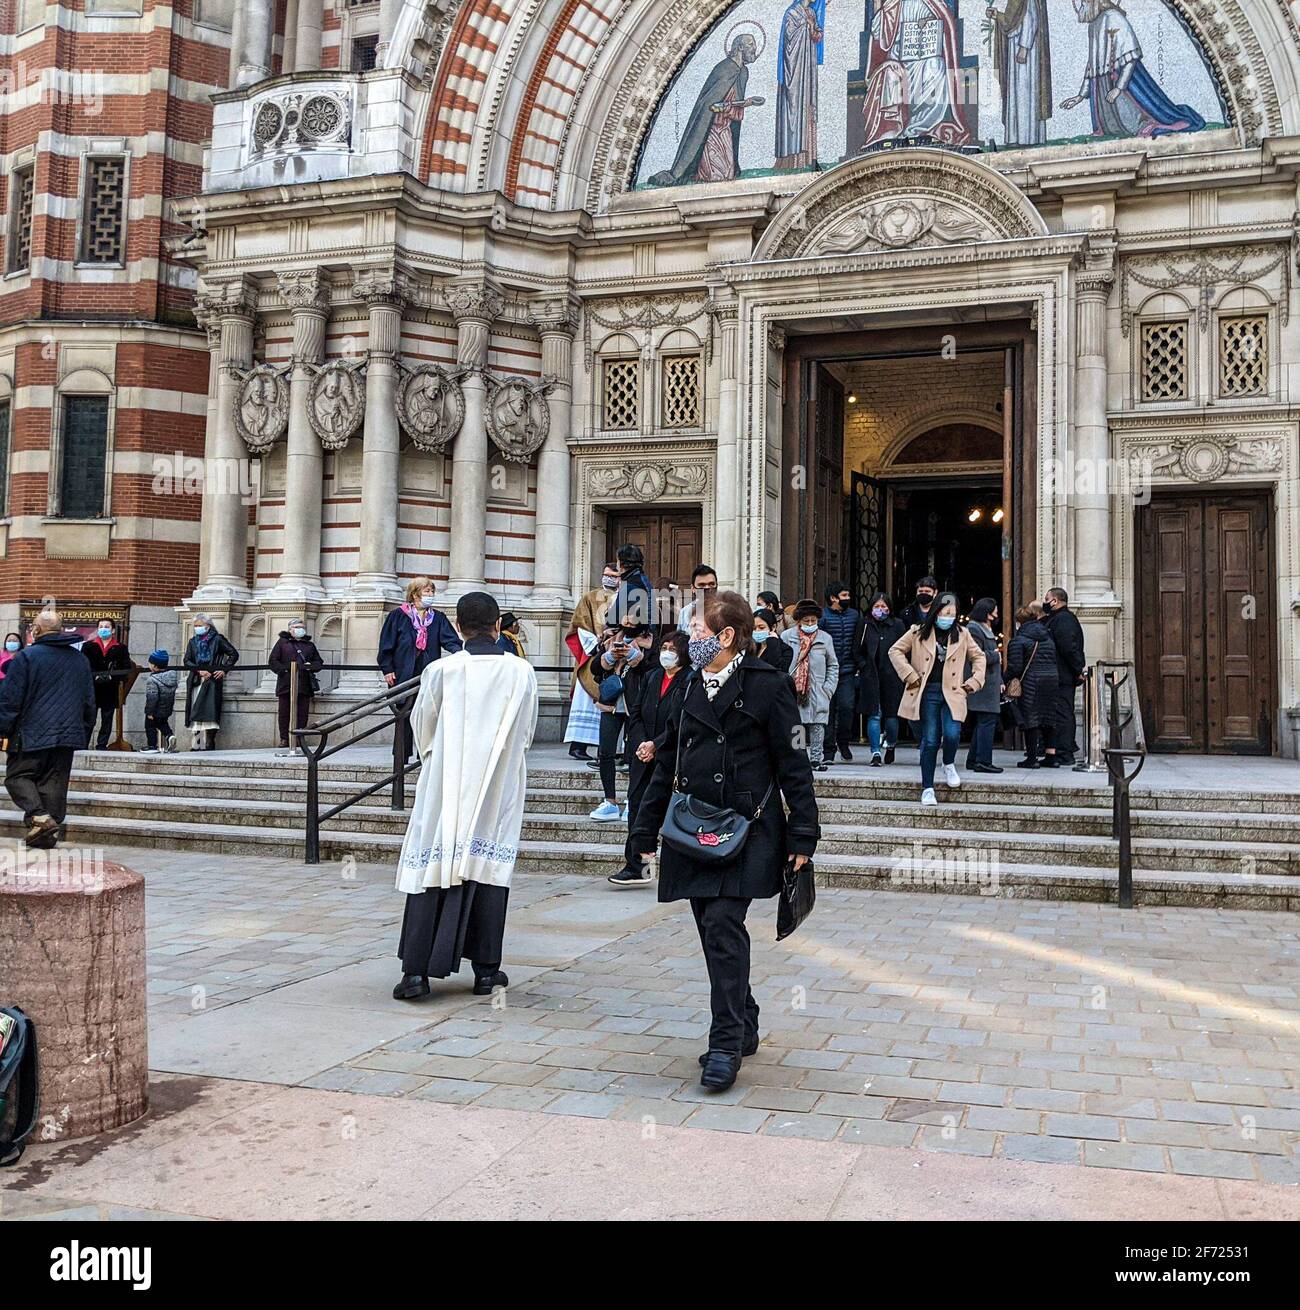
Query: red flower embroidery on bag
{"type": "Point", "coordinates": [711, 838]}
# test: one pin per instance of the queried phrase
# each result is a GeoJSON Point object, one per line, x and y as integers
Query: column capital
{"type": "Point", "coordinates": [477, 302]}
{"type": "Point", "coordinates": [382, 287]}
{"type": "Point", "coordinates": [234, 297]}
{"type": "Point", "coordinates": [305, 291]}
{"type": "Point", "coordinates": [1095, 272]}
{"type": "Point", "coordinates": [556, 315]}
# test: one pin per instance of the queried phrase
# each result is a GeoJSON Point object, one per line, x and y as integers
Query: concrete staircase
{"type": "Point", "coordinates": [1008, 838]}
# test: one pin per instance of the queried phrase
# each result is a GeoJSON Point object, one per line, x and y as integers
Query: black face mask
{"type": "Point", "coordinates": [924, 599]}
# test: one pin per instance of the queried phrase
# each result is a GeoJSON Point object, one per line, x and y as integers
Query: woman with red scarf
{"type": "Point", "coordinates": [110, 663]}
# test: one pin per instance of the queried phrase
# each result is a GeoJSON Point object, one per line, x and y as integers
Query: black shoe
{"type": "Point", "coordinates": [1063, 760]}
{"type": "Point", "coordinates": [577, 751]}
{"type": "Point", "coordinates": [1026, 764]}
{"type": "Point", "coordinates": [411, 986]}
{"type": "Point", "coordinates": [889, 755]}
{"type": "Point", "coordinates": [984, 768]}
{"type": "Point", "coordinates": [876, 761]}
{"type": "Point", "coordinates": [1050, 762]}
{"type": "Point", "coordinates": [720, 1070]}
{"type": "Point", "coordinates": [846, 755]}
{"type": "Point", "coordinates": [749, 1047]}
{"type": "Point", "coordinates": [487, 983]}
{"type": "Point", "coordinates": [593, 764]}
{"type": "Point", "coordinates": [626, 877]}
{"type": "Point", "coordinates": [819, 768]}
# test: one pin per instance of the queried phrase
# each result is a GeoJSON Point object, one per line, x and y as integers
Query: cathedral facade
{"type": "Point", "coordinates": [808, 290]}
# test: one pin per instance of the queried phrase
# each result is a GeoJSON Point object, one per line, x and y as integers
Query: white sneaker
{"type": "Point", "coordinates": [928, 797]}
{"type": "Point", "coordinates": [950, 775]}
{"type": "Point", "coordinates": [605, 812]}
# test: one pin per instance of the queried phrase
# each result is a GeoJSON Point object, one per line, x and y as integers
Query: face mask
{"type": "Point", "coordinates": [200, 629]}
{"type": "Point", "coordinates": [668, 659]}
{"type": "Point", "coordinates": [923, 598]}
{"type": "Point", "coordinates": [761, 637]}
{"type": "Point", "coordinates": [13, 645]}
{"type": "Point", "coordinates": [1047, 607]}
{"type": "Point", "coordinates": [106, 633]}
{"type": "Point", "coordinates": [878, 612]}
{"type": "Point", "coordinates": [945, 622]}
{"type": "Point", "coordinates": [426, 602]}
{"type": "Point", "coordinates": [299, 633]}
{"type": "Point", "coordinates": [610, 584]}
{"type": "Point", "coordinates": [704, 650]}
{"type": "Point", "coordinates": [809, 628]}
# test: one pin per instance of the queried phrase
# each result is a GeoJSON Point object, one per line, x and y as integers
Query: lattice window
{"type": "Point", "coordinates": [20, 224]}
{"type": "Point", "coordinates": [84, 457]}
{"type": "Point", "coordinates": [1164, 361]}
{"type": "Point", "coordinates": [621, 401]}
{"type": "Point", "coordinates": [102, 224]}
{"type": "Point", "coordinates": [365, 53]}
{"type": "Point", "coordinates": [4, 458]}
{"type": "Point", "coordinates": [681, 392]}
{"type": "Point", "coordinates": [1243, 355]}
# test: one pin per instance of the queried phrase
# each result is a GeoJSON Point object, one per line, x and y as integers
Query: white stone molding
{"type": "Point", "coordinates": [648, 313]}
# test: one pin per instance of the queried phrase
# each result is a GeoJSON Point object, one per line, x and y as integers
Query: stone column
{"type": "Point", "coordinates": [557, 321]}
{"type": "Point", "coordinates": [382, 439]}
{"type": "Point", "coordinates": [388, 15]}
{"type": "Point", "coordinates": [726, 483]}
{"type": "Point", "coordinates": [256, 32]}
{"type": "Point", "coordinates": [307, 36]}
{"type": "Point", "coordinates": [305, 461]}
{"type": "Point", "coordinates": [226, 578]}
{"type": "Point", "coordinates": [1093, 484]}
{"type": "Point", "coordinates": [210, 322]}
{"type": "Point", "coordinates": [475, 306]}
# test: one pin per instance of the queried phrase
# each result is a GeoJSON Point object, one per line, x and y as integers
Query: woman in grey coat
{"type": "Point", "coordinates": [816, 674]}
{"type": "Point", "coordinates": [985, 706]}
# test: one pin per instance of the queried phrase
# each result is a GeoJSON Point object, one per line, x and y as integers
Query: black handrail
{"type": "Point", "coordinates": [1116, 674]}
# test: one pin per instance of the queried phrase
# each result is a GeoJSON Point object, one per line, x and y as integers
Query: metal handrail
{"type": "Point", "coordinates": [1115, 675]}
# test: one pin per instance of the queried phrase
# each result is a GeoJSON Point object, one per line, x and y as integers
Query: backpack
{"type": "Point", "coordinates": [19, 1086]}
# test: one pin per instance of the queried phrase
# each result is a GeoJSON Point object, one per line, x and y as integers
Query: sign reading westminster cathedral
{"type": "Point", "coordinates": [791, 85]}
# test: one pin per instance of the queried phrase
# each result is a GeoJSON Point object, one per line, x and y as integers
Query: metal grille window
{"type": "Point", "coordinates": [84, 457]}
{"type": "Point", "coordinates": [681, 392]}
{"type": "Point", "coordinates": [20, 224]}
{"type": "Point", "coordinates": [1164, 361]}
{"type": "Point", "coordinates": [1243, 355]}
{"type": "Point", "coordinates": [4, 458]}
{"type": "Point", "coordinates": [621, 402]}
{"type": "Point", "coordinates": [102, 221]}
{"type": "Point", "coordinates": [365, 51]}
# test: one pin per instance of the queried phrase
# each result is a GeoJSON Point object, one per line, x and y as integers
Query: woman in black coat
{"type": "Point", "coordinates": [767, 637]}
{"type": "Point", "coordinates": [295, 647]}
{"type": "Point", "coordinates": [739, 730]}
{"type": "Point", "coordinates": [208, 657]}
{"type": "Point", "coordinates": [654, 699]}
{"type": "Point", "coordinates": [1031, 657]}
{"type": "Point", "coordinates": [110, 664]}
{"type": "Point", "coordinates": [879, 686]}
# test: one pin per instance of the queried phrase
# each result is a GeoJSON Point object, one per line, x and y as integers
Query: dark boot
{"type": "Point", "coordinates": [720, 1070]}
{"type": "Point", "coordinates": [487, 982]}
{"type": "Point", "coordinates": [411, 987]}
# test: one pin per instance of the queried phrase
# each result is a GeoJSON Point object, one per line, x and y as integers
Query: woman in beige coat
{"type": "Point", "coordinates": [939, 662]}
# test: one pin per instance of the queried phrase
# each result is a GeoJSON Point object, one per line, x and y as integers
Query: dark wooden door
{"type": "Point", "coordinates": [1205, 628]}
{"type": "Point", "coordinates": [670, 539]}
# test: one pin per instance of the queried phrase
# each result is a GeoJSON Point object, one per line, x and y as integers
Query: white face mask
{"type": "Point", "coordinates": [299, 633]}
{"type": "Point", "coordinates": [426, 602]}
{"type": "Point", "coordinates": [809, 628]}
{"type": "Point", "coordinates": [200, 629]}
{"type": "Point", "coordinates": [668, 659]}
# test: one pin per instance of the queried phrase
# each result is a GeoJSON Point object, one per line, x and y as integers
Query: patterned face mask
{"type": "Point", "coordinates": [704, 650]}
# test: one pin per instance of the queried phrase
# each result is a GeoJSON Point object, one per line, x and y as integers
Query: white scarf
{"type": "Point", "coordinates": [713, 681]}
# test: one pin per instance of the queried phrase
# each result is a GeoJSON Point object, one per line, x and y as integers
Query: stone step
{"type": "Point", "coordinates": [1051, 881]}
{"type": "Point", "coordinates": [1180, 851]}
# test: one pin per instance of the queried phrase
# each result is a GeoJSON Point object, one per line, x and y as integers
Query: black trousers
{"type": "Point", "coordinates": [1061, 730]}
{"type": "Point", "coordinates": [37, 781]}
{"type": "Point", "coordinates": [721, 923]}
{"type": "Point", "coordinates": [611, 725]}
{"type": "Point", "coordinates": [440, 928]}
{"type": "Point", "coordinates": [156, 728]}
{"type": "Point", "coordinates": [107, 724]}
{"type": "Point", "coordinates": [304, 711]}
{"type": "Point", "coordinates": [839, 728]}
{"type": "Point", "coordinates": [638, 780]}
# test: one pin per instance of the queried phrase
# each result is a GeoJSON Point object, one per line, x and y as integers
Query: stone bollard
{"type": "Point", "coordinates": [72, 957]}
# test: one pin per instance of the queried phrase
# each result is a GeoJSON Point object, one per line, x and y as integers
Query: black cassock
{"type": "Point", "coordinates": [444, 925]}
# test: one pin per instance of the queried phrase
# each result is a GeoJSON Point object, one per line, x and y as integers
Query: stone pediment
{"type": "Point", "coordinates": [897, 200]}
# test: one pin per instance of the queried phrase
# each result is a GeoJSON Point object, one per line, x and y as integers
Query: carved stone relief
{"type": "Point", "coordinates": [336, 402]}
{"type": "Point", "coordinates": [302, 120]}
{"type": "Point", "coordinates": [1206, 459]}
{"type": "Point", "coordinates": [895, 224]}
{"type": "Point", "coordinates": [648, 481]}
{"type": "Point", "coordinates": [262, 407]}
{"type": "Point", "coordinates": [1208, 273]}
{"type": "Point", "coordinates": [518, 419]}
{"type": "Point", "coordinates": [430, 406]}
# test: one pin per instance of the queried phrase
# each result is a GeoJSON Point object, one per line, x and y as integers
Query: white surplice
{"type": "Point", "coordinates": [473, 720]}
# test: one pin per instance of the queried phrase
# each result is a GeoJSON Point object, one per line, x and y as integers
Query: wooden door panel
{"type": "Point", "coordinates": [670, 540]}
{"type": "Point", "coordinates": [1170, 624]}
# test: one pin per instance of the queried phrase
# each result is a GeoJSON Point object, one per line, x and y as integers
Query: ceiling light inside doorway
{"type": "Point", "coordinates": [975, 515]}
{"type": "Point", "coordinates": [997, 515]}
{"type": "Point", "coordinates": [853, 398]}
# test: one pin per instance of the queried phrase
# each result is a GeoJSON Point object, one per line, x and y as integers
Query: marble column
{"type": "Point", "coordinates": [307, 36]}
{"type": "Point", "coordinates": [475, 306]}
{"type": "Point", "coordinates": [255, 26]}
{"type": "Point", "coordinates": [726, 483]}
{"type": "Point", "coordinates": [226, 576]}
{"type": "Point", "coordinates": [210, 322]}
{"type": "Point", "coordinates": [305, 459]}
{"type": "Point", "coordinates": [381, 443]}
{"type": "Point", "coordinates": [557, 321]}
{"type": "Point", "coordinates": [1090, 477]}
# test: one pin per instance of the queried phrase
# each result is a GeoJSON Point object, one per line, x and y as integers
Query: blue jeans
{"type": "Point", "coordinates": [981, 742]}
{"type": "Point", "coordinates": [890, 738]}
{"type": "Point", "coordinates": [936, 721]}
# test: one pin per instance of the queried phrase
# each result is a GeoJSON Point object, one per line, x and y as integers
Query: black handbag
{"type": "Point", "coordinates": [798, 896]}
{"type": "Point", "coordinates": [711, 833]}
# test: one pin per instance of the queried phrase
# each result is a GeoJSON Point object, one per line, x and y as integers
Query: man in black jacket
{"type": "Point", "coordinates": [839, 622]}
{"type": "Point", "coordinates": [926, 590]}
{"type": "Point", "coordinates": [633, 603]}
{"type": "Point", "coordinates": [1067, 636]}
{"type": "Point", "coordinates": [47, 711]}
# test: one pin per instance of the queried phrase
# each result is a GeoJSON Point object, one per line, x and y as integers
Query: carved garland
{"type": "Point", "coordinates": [668, 309]}
{"type": "Point", "coordinates": [1207, 271]}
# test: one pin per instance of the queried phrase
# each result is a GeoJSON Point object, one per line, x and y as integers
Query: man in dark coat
{"type": "Point", "coordinates": [739, 730]}
{"type": "Point", "coordinates": [110, 663]}
{"type": "Point", "coordinates": [633, 604]}
{"type": "Point", "coordinates": [1067, 636]}
{"type": "Point", "coordinates": [879, 687]}
{"type": "Point", "coordinates": [47, 711]}
{"type": "Point", "coordinates": [839, 621]}
{"type": "Point", "coordinates": [926, 590]}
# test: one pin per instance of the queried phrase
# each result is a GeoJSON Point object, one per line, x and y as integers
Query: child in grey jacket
{"type": "Point", "coordinates": [159, 701]}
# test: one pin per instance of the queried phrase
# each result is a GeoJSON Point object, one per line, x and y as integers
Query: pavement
{"type": "Point", "coordinates": [922, 1057]}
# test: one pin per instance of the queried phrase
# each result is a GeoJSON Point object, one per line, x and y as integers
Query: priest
{"type": "Point", "coordinates": [473, 720]}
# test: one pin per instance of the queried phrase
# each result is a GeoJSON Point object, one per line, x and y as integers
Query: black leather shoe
{"type": "Point", "coordinates": [889, 755]}
{"type": "Point", "coordinates": [1026, 764]}
{"type": "Point", "coordinates": [577, 751]}
{"type": "Point", "coordinates": [985, 768]}
{"type": "Point", "coordinates": [846, 755]}
{"type": "Point", "coordinates": [1050, 762]}
{"type": "Point", "coordinates": [720, 1070]}
{"type": "Point", "coordinates": [750, 1046]}
{"type": "Point", "coordinates": [411, 987]}
{"type": "Point", "coordinates": [485, 985]}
